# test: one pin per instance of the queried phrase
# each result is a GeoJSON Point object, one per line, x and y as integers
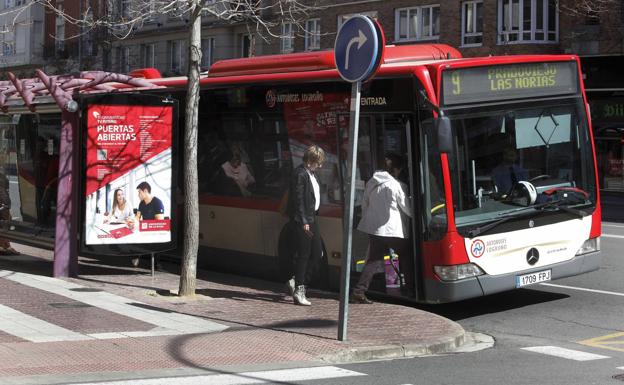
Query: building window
{"type": "Point", "coordinates": [60, 27]}
{"type": "Point", "coordinates": [472, 23]}
{"type": "Point", "coordinates": [417, 23]}
{"type": "Point", "coordinates": [152, 12]}
{"type": "Point", "coordinates": [124, 9]}
{"type": "Point", "coordinates": [343, 18]}
{"type": "Point", "coordinates": [8, 49]}
{"type": "Point", "coordinates": [87, 40]}
{"type": "Point", "coordinates": [8, 4]}
{"type": "Point", "coordinates": [246, 49]}
{"type": "Point", "coordinates": [313, 34]}
{"type": "Point", "coordinates": [527, 21]}
{"type": "Point", "coordinates": [147, 51]}
{"type": "Point", "coordinates": [175, 55]}
{"type": "Point", "coordinates": [207, 48]}
{"type": "Point", "coordinates": [288, 37]}
{"type": "Point", "coordinates": [124, 59]}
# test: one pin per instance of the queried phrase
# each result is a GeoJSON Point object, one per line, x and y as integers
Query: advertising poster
{"type": "Point", "coordinates": [128, 183]}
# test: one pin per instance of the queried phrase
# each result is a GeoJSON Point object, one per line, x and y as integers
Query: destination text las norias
{"type": "Point", "coordinates": [490, 83]}
{"type": "Point", "coordinates": [529, 76]}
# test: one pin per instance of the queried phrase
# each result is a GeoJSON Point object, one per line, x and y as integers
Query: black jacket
{"type": "Point", "coordinates": [301, 197]}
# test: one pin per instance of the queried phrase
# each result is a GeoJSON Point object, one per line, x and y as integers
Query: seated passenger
{"type": "Point", "coordinates": [508, 172]}
{"type": "Point", "coordinates": [238, 171]}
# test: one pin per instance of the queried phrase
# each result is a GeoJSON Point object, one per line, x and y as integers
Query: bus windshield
{"type": "Point", "coordinates": [520, 155]}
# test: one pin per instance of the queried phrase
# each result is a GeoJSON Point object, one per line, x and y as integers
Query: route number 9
{"type": "Point", "coordinates": [456, 83]}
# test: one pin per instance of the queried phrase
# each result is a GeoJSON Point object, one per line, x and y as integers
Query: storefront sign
{"type": "Point", "coordinates": [607, 110]}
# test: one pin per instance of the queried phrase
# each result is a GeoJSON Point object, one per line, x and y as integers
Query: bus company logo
{"type": "Point", "coordinates": [477, 248]}
{"type": "Point", "coordinates": [96, 114]}
{"type": "Point", "coordinates": [271, 98]}
{"type": "Point", "coordinates": [532, 256]}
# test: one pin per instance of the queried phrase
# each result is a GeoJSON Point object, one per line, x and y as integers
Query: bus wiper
{"type": "Point", "coordinates": [511, 215]}
{"type": "Point", "coordinates": [561, 205]}
{"type": "Point", "coordinates": [479, 230]}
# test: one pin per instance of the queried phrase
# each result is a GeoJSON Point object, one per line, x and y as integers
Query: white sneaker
{"type": "Point", "coordinates": [299, 297]}
{"type": "Point", "coordinates": [290, 286]}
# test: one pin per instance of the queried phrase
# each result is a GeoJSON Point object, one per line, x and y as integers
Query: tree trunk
{"type": "Point", "coordinates": [188, 273]}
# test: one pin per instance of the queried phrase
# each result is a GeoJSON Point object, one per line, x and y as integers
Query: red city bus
{"type": "Point", "coordinates": [501, 167]}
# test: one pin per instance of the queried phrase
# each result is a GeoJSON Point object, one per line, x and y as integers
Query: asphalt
{"type": "Point", "coordinates": [257, 325]}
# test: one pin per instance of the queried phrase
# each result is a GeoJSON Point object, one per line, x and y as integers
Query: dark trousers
{"type": "Point", "coordinates": [378, 248]}
{"type": "Point", "coordinates": [307, 248]}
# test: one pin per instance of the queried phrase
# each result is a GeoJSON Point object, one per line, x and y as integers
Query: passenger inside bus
{"type": "Point", "coordinates": [238, 173]}
{"type": "Point", "coordinates": [508, 172]}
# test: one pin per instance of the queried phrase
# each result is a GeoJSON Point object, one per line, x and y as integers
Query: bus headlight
{"type": "Point", "coordinates": [457, 272]}
{"type": "Point", "coordinates": [589, 246]}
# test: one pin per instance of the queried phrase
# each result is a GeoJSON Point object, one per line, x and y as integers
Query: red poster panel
{"type": "Point", "coordinates": [128, 186]}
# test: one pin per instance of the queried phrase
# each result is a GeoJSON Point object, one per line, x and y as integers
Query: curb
{"type": "Point", "coordinates": [441, 345]}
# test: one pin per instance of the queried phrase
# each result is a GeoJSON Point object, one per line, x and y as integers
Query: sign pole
{"type": "Point", "coordinates": [358, 53]}
{"type": "Point", "coordinates": [349, 208]}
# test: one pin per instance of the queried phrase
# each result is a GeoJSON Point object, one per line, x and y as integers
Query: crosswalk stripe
{"type": "Point", "coordinates": [570, 354]}
{"type": "Point", "coordinates": [285, 376]}
{"type": "Point", "coordinates": [167, 322]}
{"type": "Point", "coordinates": [582, 289]}
{"type": "Point", "coordinates": [33, 329]}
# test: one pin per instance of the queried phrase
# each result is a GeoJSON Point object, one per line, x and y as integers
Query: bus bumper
{"type": "Point", "coordinates": [442, 292]}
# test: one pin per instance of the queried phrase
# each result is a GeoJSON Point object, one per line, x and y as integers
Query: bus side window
{"type": "Point", "coordinates": [211, 154]}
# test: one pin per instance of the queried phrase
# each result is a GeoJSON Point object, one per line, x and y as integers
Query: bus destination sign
{"type": "Point", "coordinates": [493, 83]}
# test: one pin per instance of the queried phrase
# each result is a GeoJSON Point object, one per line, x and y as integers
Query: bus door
{"type": "Point", "coordinates": [378, 135]}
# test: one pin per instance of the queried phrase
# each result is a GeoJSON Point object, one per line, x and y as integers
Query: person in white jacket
{"type": "Point", "coordinates": [384, 209]}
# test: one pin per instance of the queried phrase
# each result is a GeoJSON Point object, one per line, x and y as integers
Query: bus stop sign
{"type": "Point", "coordinates": [358, 50]}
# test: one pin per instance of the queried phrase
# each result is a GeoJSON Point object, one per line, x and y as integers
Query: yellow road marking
{"type": "Point", "coordinates": [606, 342]}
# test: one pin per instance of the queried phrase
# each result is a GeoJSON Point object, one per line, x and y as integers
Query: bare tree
{"type": "Point", "coordinates": [587, 8]}
{"type": "Point", "coordinates": [121, 18]}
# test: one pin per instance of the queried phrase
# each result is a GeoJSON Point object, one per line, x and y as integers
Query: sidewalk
{"type": "Point", "coordinates": [233, 322]}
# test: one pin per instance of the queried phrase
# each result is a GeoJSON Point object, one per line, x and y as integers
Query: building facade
{"type": "Point", "coordinates": [21, 37]}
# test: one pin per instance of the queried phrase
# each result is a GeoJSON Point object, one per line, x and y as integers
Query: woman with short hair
{"type": "Point", "coordinates": [303, 203]}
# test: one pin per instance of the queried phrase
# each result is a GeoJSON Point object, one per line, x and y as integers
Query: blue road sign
{"type": "Point", "coordinates": [358, 48]}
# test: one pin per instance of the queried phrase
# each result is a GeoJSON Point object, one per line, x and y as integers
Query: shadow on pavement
{"type": "Point", "coordinates": [304, 323]}
{"type": "Point", "coordinates": [176, 349]}
{"type": "Point", "coordinates": [494, 303]}
{"type": "Point", "coordinates": [243, 296]}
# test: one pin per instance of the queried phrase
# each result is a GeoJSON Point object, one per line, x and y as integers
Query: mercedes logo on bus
{"type": "Point", "coordinates": [532, 256]}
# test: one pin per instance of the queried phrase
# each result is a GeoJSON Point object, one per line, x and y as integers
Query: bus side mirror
{"type": "Point", "coordinates": [445, 136]}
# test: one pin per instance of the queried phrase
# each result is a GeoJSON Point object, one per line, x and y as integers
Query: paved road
{"type": "Point", "coordinates": [566, 332]}
{"type": "Point", "coordinates": [571, 333]}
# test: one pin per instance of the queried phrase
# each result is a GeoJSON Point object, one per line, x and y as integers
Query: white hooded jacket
{"type": "Point", "coordinates": [383, 203]}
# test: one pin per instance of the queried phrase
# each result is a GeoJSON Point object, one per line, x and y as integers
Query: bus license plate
{"type": "Point", "coordinates": [530, 279]}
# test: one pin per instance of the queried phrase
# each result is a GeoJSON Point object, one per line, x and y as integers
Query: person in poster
{"type": "Point", "coordinates": [150, 207]}
{"type": "Point", "coordinates": [121, 211]}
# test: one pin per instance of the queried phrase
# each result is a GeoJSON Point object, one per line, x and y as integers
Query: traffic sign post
{"type": "Point", "coordinates": [358, 52]}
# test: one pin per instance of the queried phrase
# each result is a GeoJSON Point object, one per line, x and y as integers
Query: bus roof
{"type": "Point", "coordinates": [305, 66]}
